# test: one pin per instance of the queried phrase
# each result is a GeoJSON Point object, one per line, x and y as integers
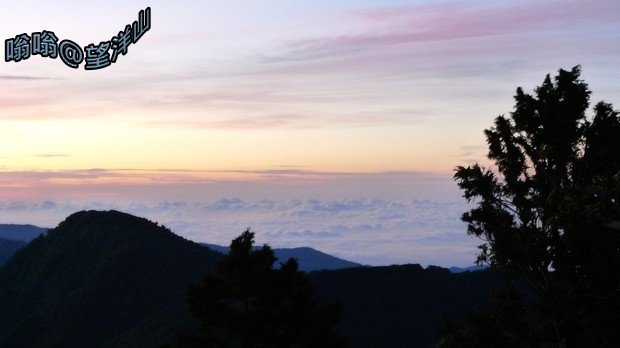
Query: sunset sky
{"type": "Point", "coordinates": [330, 124]}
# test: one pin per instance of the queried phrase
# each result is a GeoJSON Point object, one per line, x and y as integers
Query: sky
{"type": "Point", "coordinates": [330, 124]}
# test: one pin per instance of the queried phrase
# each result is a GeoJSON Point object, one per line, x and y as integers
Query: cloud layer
{"type": "Point", "coordinates": [312, 122]}
{"type": "Point", "coordinates": [371, 231]}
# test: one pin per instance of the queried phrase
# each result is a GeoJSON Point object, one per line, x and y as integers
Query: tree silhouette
{"type": "Point", "coordinates": [549, 210]}
{"type": "Point", "coordinates": [248, 303]}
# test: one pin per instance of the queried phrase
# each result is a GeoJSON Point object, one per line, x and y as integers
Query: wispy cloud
{"type": "Point", "coordinates": [238, 123]}
{"type": "Point", "coordinates": [26, 78]}
{"type": "Point", "coordinates": [452, 21]}
{"type": "Point", "coordinates": [50, 155]}
{"type": "Point", "coordinates": [137, 176]}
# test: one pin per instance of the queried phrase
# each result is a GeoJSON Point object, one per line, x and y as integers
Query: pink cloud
{"type": "Point", "coordinates": [430, 23]}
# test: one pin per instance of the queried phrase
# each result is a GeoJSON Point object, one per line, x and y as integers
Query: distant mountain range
{"type": "Point", "coordinates": [468, 269]}
{"type": "Point", "coordinates": [20, 233]}
{"type": "Point", "coordinates": [115, 280]}
{"type": "Point", "coordinates": [309, 259]}
{"type": "Point", "coordinates": [14, 237]}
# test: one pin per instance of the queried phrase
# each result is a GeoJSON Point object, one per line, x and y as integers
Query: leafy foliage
{"type": "Point", "coordinates": [549, 211]}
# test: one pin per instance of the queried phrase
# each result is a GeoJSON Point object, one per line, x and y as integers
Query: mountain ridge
{"type": "Point", "coordinates": [100, 278]}
{"type": "Point", "coordinates": [21, 233]}
{"type": "Point", "coordinates": [309, 259]}
{"type": "Point", "coordinates": [109, 279]}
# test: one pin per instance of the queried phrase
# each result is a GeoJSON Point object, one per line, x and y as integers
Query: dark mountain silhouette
{"type": "Point", "coordinates": [402, 306]}
{"type": "Point", "coordinates": [308, 259]}
{"type": "Point", "coordinates": [100, 279]}
{"type": "Point", "coordinates": [109, 279]}
{"type": "Point", "coordinates": [20, 233]}
{"type": "Point", "coordinates": [8, 248]}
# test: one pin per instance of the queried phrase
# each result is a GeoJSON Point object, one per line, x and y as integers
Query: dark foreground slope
{"type": "Point", "coordinates": [402, 306]}
{"type": "Point", "coordinates": [100, 279]}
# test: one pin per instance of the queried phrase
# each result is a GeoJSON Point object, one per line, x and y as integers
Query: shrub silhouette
{"type": "Point", "coordinates": [248, 303]}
